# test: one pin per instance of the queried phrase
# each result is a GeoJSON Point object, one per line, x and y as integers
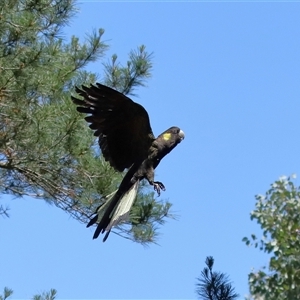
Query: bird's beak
{"type": "Point", "coordinates": [181, 135]}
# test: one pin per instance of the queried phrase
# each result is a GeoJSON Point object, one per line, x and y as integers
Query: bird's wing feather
{"type": "Point", "coordinates": [123, 126]}
{"type": "Point", "coordinates": [118, 215]}
{"type": "Point", "coordinates": [99, 213]}
{"type": "Point", "coordinates": [121, 213]}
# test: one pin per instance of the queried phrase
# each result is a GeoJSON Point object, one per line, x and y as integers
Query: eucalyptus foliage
{"type": "Point", "coordinates": [278, 214]}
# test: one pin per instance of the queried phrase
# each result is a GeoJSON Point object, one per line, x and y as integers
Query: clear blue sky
{"type": "Point", "coordinates": [228, 75]}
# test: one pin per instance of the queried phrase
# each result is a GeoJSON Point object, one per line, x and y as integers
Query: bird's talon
{"type": "Point", "coordinates": [158, 186]}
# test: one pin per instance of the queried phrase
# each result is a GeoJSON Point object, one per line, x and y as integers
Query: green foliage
{"type": "Point", "coordinates": [278, 214]}
{"type": "Point", "coordinates": [47, 150]}
{"type": "Point", "coordinates": [214, 285]}
{"type": "Point", "coordinates": [6, 293]}
{"type": "Point", "coordinates": [124, 79]}
{"type": "Point", "coordinates": [44, 296]}
{"type": "Point", "coordinates": [146, 214]}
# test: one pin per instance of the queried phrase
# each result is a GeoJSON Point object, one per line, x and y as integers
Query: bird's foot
{"type": "Point", "coordinates": [158, 186]}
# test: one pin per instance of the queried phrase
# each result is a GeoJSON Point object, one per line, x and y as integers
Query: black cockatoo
{"type": "Point", "coordinates": [127, 142]}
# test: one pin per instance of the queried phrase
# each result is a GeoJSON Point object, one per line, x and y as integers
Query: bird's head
{"type": "Point", "coordinates": [169, 139]}
{"type": "Point", "coordinates": [173, 135]}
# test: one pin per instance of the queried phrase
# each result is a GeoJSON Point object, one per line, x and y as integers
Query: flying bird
{"type": "Point", "coordinates": [126, 141]}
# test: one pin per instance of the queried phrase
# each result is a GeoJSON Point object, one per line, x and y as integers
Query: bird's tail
{"type": "Point", "coordinates": [114, 211]}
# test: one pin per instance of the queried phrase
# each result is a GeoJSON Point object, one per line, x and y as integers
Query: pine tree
{"type": "Point", "coordinates": [51, 295]}
{"type": "Point", "coordinates": [214, 285]}
{"type": "Point", "coordinates": [7, 292]}
{"type": "Point", "coordinates": [46, 150]}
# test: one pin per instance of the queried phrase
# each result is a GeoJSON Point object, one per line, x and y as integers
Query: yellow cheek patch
{"type": "Point", "coordinates": [166, 136]}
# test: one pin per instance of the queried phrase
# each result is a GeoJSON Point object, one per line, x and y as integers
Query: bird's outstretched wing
{"type": "Point", "coordinates": [123, 126]}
